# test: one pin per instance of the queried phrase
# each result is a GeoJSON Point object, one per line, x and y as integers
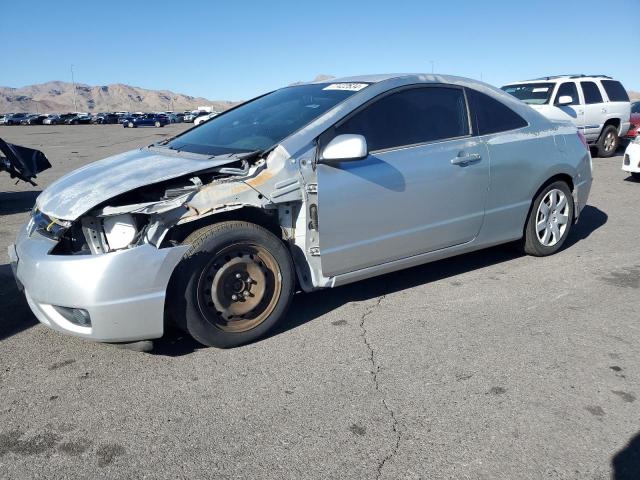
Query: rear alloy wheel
{"type": "Point", "coordinates": [549, 221]}
{"type": "Point", "coordinates": [636, 175]}
{"type": "Point", "coordinates": [158, 125]}
{"type": "Point", "coordinates": [130, 125]}
{"type": "Point", "coordinates": [608, 142]}
{"type": "Point", "coordinates": [234, 284]}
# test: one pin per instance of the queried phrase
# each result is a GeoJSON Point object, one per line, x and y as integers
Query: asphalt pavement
{"type": "Point", "coordinates": [492, 365]}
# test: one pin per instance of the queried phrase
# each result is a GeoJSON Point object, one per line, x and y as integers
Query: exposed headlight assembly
{"type": "Point", "coordinates": [47, 226]}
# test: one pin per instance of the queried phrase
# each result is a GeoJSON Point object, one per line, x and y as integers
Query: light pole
{"type": "Point", "coordinates": [73, 82]}
{"type": "Point", "coordinates": [432, 63]}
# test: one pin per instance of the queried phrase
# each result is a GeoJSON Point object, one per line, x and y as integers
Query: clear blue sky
{"type": "Point", "coordinates": [236, 50]}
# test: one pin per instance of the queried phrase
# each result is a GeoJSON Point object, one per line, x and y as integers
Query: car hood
{"type": "Point", "coordinates": [79, 191]}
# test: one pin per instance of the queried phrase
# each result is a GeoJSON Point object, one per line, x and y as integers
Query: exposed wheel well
{"type": "Point", "coordinates": [265, 218]}
{"type": "Point", "coordinates": [612, 121]}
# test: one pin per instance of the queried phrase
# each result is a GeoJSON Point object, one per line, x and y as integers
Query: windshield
{"type": "Point", "coordinates": [265, 121]}
{"type": "Point", "coordinates": [531, 93]}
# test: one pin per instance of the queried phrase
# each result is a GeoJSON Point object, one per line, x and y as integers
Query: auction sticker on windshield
{"type": "Point", "coordinates": [352, 87]}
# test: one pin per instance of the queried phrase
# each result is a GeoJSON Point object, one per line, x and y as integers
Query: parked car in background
{"type": "Point", "coordinates": [316, 185]}
{"type": "Point", "coordinates": [82, 119]}
{"type": "Point", "coordinates": [51, 120]}
{"type": "Point", "coordinates": [105, 118]}
{"type": "Point", "coordinates": [34, 120]}
{"type": "Point", "coordinates": [634, 129]}
{"type": "Point", "coordinates": [179, 117]}
{"type": "Point", "coordinates": [124, 119]}
{"type": "Point", "coordinates": [4, 117]}
{"type": "Point", "coordinates": [147, 120]}
{"type": "Point", "coordinates": [16, 118]}
{"type": "Point", "coordinates": [58, 119]}
{"type": "Point", "coordinates": [190, 117]}
{"type": "Point", "coordinates": [631, 159]}
{"type": "Point", "coordinates": [598, 105]}
{"type": "Point", "coordinates": [170, 116]}
{"type": "Point", "coordinates": [204, 118]}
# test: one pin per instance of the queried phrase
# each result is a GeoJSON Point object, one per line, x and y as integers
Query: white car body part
{"type": "Point", "coordinates": [592, 108]}
{"type": "Point", "coordinates": [631, 159]}
{"type": "Point", "coordinates": [204, 118]}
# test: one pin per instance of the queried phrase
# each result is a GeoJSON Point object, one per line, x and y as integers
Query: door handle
{"type": "Point", "coordinates": [464, 160]}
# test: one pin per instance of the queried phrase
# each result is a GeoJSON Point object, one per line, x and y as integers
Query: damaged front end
{"type": "Point", "coordinates": [145, 215]}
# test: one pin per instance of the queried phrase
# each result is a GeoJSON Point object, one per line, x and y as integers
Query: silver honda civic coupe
{"type": "Point", "coordinates": [309, 186]}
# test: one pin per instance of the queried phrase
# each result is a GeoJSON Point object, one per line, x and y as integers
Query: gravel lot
{"type": "Point", "coordinates": [491, 365]}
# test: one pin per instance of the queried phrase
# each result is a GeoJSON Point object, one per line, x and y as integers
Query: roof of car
{"type": "Point", "coordinates": [381, 77]}
{"type": "Point", "coordinates": [553, 78]}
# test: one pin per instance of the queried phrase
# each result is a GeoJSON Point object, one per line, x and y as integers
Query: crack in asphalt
{"type": "Point", "coordinates": [375, 369]}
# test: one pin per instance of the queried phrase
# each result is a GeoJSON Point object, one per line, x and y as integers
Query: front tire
{"type": "Point", "coordinates": [550, 220]}
{"type": "Point", "coordinates": [158, 125]}
{"type": "Point", "coordinates": [635, 176]}
{"type": "Point", "coordinates": [608, 142]}
{"type": "Point", "coordinates": [233, 285]}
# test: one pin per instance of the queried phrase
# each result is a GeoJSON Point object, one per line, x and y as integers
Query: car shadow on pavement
{"type": "Point", "coordinates": [631, 179]}
{"type": "Point", "coordinates": [625, 465]}
{"type": "Point", "coordinates": [591, 219]}
{"type": "Point", "coordinates": [15, 316]}
{"type": "Point", "coordinates": [17, 202]}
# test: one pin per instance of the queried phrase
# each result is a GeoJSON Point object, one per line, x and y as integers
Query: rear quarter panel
{"type": "Point", "coordinates": [522, 161]}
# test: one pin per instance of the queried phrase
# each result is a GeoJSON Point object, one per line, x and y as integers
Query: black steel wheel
{"type": "Point", "coordinates": [234, 284]}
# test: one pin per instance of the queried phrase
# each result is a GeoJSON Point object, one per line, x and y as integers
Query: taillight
{"type": "Point", "coordinates": [583, 139]}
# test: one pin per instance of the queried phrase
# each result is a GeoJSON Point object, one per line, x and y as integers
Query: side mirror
{"type": "Point", "coordinates": [344, 148]}
{"type": "Point", "coordinates": [565, 100]}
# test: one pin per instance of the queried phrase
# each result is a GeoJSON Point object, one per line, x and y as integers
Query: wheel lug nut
{"type": "Point", "coordinates": [246, 293]}
{"type": "Point", "coordinates": [238, 275]}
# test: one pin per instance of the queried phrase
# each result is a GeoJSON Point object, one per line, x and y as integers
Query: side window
{"type": "Point", "coordinates": [568, 88]}
{"type": "Point", "coordinates": [591, 93]}
{"type": "Point", "coordinates": [408, 117]}
{"type": "Point", "coordinates": [615, 91]}
{"type": "Point", "coordinates": [492, 116]}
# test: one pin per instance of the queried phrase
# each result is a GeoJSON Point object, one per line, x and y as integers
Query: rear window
{"type": "Point", "coordinates": [492, 116]}
{"type": "Point", "coordinates": [615, 91]}
{"type": "Point", "coordinates": [591, 93]}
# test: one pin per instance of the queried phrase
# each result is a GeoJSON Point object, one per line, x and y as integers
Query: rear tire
{"type": "Point", "coordinates": [635, 175]}
{"type": "Point", "coordinates": [608, 142]}
{"type": "Point", "coordinates": [550, 220]}
{"type": "Point", "coordinates": [232, 286]}
{"type": "Point", "coordinates": [158, 125]}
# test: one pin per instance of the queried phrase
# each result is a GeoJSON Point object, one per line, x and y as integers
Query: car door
{"type": "Point", "coordinates": [421, 188]}
{"type": "Point", "coordinates": [594, 109]}
{"type": "Point", "coordinates": [575, 110]}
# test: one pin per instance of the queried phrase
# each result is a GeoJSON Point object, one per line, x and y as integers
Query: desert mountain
{"type": "Point", "coordinates": [58, 97]}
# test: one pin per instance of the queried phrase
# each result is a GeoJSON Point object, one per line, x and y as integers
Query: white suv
{"type": "Point", "coordinates": [598, 105]}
